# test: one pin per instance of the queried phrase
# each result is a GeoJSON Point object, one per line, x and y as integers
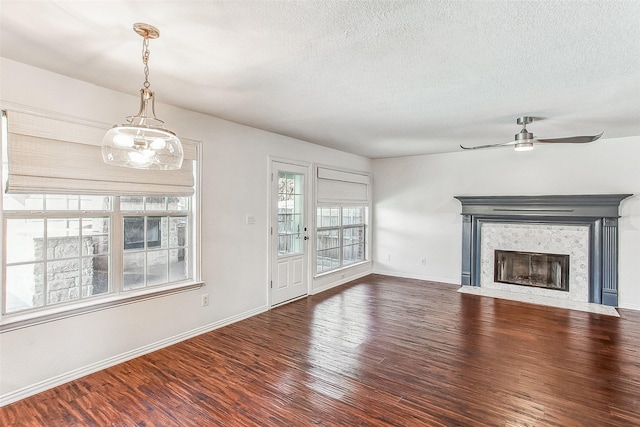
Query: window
{"type": "Point", "coordinates": [60, 249]}
{"type": "Point", "coordinates": [342, 206]}
{"type": "Point", "coordinates": [341, 232]}
{"type": "Point", "coordinates": [66, 246]}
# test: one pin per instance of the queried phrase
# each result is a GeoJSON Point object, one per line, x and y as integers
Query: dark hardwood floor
{"type": "Point", "coordinates": [379, 351]}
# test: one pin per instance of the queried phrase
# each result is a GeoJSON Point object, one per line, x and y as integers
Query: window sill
{"type": "Point", "coordinates": [12, 322]}
{"type": "Point", "coordinates": [340, 270]}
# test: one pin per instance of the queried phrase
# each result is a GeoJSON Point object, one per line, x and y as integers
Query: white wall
{"type": "Point", "coordinates": [416, 216]}
{"type": "Point", "coordinates": [235, 255]}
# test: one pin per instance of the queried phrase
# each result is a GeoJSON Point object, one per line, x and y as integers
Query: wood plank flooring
{"type": "Point", "coordinates": [378, 351]}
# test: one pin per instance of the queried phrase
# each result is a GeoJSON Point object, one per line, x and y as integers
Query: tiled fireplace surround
{"type": "Point", "coordinates": [583, 226]}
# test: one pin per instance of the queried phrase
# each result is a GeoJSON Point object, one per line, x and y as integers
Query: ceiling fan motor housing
{"type": "Point", "coordinates": [524, 135]}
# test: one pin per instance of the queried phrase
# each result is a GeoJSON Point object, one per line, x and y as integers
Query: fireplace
{"type": "Point", "coordinates": [584, 227]}
{"type": "Point", "coordinates": [550, 271]}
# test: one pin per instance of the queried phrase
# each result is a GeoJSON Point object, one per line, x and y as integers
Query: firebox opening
{"type": "Point", "coordinates": [540, 270]}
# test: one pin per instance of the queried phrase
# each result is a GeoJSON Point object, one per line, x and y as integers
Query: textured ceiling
{"type": "Point", "coordinates": [377, 78]}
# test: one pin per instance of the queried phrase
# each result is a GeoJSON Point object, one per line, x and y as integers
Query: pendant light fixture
{"type": "Point", "coordinates": [143, 142]}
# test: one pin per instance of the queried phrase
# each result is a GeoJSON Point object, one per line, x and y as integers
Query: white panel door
{"type": "Point", "coordinates": [288, 232]}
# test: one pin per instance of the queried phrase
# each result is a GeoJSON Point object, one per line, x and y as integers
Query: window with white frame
{"type": "Point", "coordinates": [341, 237]}
{"type": "Point", "coordinates": [61, 250]}
{"type": "Point", "coordinates": [342, 215]}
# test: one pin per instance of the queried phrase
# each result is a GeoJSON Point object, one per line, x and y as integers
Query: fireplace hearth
{"type": "Point", "coordinates": [541, 270]}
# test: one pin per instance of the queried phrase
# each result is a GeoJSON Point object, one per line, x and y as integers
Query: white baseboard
{"type": "Point", "coordinates": [630, 306]}
{"type": "Point", "coordinates": [446, 280]}
{"type": "Point", "coordinates": [41, 386]}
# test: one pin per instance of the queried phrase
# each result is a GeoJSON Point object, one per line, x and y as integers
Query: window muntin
{"type": "Point", "coordinates": [341, 232]}
{"type": "Point", "coordinates": [58, 248]}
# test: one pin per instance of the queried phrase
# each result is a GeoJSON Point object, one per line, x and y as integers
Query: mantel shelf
{"type": "Point", "coordinates": [575, 205]}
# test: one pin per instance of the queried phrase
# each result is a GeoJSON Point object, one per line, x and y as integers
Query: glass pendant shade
{"type": "Point", "coordinates": [143, 142]}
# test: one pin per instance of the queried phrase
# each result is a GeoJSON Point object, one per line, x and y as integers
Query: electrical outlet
{"type": "Point", "coordinates": [205, 300]}
{"type": "Point", "coordinates": [424, 261]}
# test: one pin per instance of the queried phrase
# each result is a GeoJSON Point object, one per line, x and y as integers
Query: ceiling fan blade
{"type": "Point", "coordinates": [487, 146]}
{"type": "Point", "coordinates": [570, 139]}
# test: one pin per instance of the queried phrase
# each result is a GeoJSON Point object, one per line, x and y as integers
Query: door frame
{"type": "Point", "coordinates": [308, 206]}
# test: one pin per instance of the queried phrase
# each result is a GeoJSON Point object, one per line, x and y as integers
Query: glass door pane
{"type": "Point", "coordinates": [290, 213]}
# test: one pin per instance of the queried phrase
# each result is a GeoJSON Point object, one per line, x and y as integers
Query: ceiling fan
{"type": "Point", "coordinates": [524, 139]}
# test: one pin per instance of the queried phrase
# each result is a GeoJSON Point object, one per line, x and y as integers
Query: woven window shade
{"type": "Point", "coordinates": [341, 186]}
{"type": "Point", "coordinates": [47, 155]}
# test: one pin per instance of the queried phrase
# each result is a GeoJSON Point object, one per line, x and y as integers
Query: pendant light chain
{"type": "Point", "coordinates": [145, 61]}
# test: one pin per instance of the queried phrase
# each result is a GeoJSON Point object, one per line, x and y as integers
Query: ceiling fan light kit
{"type": "Point", "coordinates": [143, 142]}
{"type": "Point", "coordinates": [524, 140]}
{"type": "Point", "coordinates": [523, 146]}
